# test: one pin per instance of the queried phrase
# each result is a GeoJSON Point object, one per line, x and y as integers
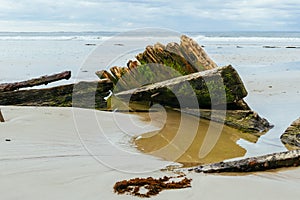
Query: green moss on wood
{"type": "Point", "coordinates": [61, 96]}
{"type": "Point", "coordinates": [291, 136]}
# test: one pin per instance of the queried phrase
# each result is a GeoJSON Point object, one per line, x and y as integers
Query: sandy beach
{"type": "Point", "coordinates": [45, 159]}
{"type": "Point", "coordinates": [71, 153]}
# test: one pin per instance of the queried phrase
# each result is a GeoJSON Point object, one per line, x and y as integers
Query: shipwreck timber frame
{"type": "Point", "coordinates": [86, 95]}
{"type": "Point", "coordinates": [191, 61]}
{"type": "Point", "coordinates": [291, 136]}
{"type": "Point", "coordinates": [207, 85]}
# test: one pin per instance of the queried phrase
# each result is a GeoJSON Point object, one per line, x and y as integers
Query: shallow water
{"type": "Point", "coordinates": [178, 140]}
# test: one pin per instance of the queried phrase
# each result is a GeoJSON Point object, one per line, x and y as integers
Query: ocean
{"type": "Point", "coordinates": [25, 55]}
{"type": "Point", "coordinates": [206, 36]}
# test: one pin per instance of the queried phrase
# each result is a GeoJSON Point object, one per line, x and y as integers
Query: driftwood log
{"type": "Point", "coordinates": [260, 163]}
{"type": "Point", "coordinates": [43, 80]}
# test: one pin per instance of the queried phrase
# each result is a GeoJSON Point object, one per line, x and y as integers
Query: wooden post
{"type": "Point", "coordinates": [1, 117]}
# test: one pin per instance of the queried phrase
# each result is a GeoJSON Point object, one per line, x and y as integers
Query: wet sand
{"type": "Point", "coordinates": [45, 159]}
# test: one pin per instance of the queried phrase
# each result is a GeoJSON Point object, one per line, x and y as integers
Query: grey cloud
{"type": "Point", "coordinates": [180, 14]}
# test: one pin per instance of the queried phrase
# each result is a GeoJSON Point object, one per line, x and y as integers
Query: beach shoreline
{"type": "Point", "coordinates": [53, 160]}
{"type": "Point", "coordinates": [49, 150]}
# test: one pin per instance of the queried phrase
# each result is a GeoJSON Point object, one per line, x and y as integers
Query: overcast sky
{"type": "Point", "coordinates": [179, 15]}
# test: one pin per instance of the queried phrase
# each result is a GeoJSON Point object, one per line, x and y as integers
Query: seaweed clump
{"type": "Point", "coordinates": [151, 185]}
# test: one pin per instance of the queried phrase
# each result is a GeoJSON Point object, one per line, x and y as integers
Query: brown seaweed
{"type": "Point", "coordinates": [153, 186]}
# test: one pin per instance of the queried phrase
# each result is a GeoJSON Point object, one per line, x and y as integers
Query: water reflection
{"type": "Point", "coordinates": [162, 143]}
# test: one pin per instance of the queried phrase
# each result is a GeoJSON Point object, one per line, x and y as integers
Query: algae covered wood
{"type": "Point", "coordinates": [163, 65]}
{"type": "Point", "coordinates": [205, 85]}
{"type": "Point", "coordinates": [291, 136]}
{"type": "Point", "coordinates": [259, 163]}
{"type": "Point", "coordinates": [186, 57]}
{"type": "Point", "coordinates": [246, 121]}
{"type": "Point", "coordinates": [82, 94]}
{"type": "Point", "coordinates": [43, 80]}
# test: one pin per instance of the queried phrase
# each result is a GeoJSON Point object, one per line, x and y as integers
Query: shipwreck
{"type": "Point", "coordinates": [179, 76]}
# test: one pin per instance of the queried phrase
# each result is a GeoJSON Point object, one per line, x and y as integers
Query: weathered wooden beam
{"type": "Point", "coordinates": [259, 163]}
{"type": "Point", "coordinates": [194, 53]}
{"type": "Point", "coordinates": [206, 85]}
{"type": "Point", "coordinates": [43, 80]}
{"type": "Point", "coordinates": [82, 94]}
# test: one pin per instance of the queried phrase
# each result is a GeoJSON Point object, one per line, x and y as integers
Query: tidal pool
{"type": "Point", "coordinates": [178, 140]}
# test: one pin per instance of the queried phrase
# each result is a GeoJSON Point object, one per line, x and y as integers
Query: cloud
{"type": "Point", "coordinates": [118, 15]}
